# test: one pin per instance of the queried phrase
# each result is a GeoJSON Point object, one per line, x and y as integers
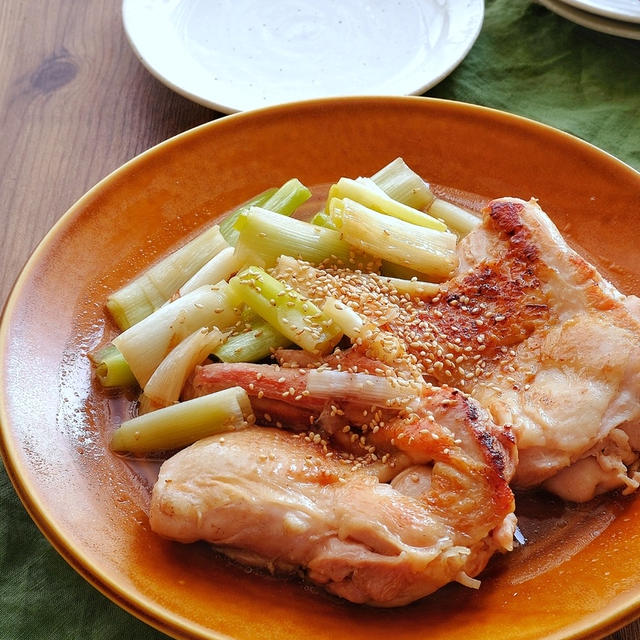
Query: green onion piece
{"type": "Point", "coordinates": [112, 370]}
{"type": "Point", "coordinates": [165, 385]}
{"type": "Point", "coordinates": [265, 236]}
{"type": "Point", "coordinates": [147, 343]}
{"type": "Point", "coordinates": [403, 184]}
{"type": "Point", "coordinates": [350, 321]}
{"type": "Point", "coordinates": [184, 423]}
{"type": "Point", "coordinates": [284, 201]}
{"type": "Point", "coordinates": [381, 391]}
{"type": "Point", "coordinates": [154, 287]}
{"type": "Point", "coordinates": [219, 268]}
{"type": "Point", "coordinates": [293, 315]}
{"type": "Point", "coordinates": [415, 288]}
{"type": "Point", "coordinates": [228, 223]}
{"type": "Point", "coordinates": [287, 198]}
{"type": "Point", "coordinates": [379, 201]}
{"type": "Point", "coordinates": [429, 251]}
{"type": "Point", "coordinates": [457, 219]}
{"type": "Point", "coordinates": [391, 270]}
{"type": "Point", "coordinates": [252, 345]}
{"type": "Point", "coordinates": [321, 219]}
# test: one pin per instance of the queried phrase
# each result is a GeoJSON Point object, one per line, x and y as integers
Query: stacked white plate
{"type": "Point", "coordinates": [615, 17]}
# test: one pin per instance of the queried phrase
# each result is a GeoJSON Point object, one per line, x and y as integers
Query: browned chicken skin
{"type": "Point", "coordinates": [534, 333]}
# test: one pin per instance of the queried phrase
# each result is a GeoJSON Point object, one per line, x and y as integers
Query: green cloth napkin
{"type": "Point", "coordinates": [528, 61]}
{"type": "Point", "coordinates": [531, 62]}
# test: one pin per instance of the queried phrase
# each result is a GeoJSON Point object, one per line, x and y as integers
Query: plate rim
{"type": "Point", "coordinates": [593, 21]}
{"type": "Point", "coordinates": [603, 11]}
{"type": "Point", "coordinates": [127, 598]}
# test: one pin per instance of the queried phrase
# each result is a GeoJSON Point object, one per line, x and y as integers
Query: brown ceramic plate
{"type": "Point", "coordinates": [576, 578]}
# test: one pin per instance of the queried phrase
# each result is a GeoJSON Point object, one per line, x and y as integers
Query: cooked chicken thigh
{"type": "Point", "coordinates": [571, 388]}
{"type": "Point", "coordinates": [545, 344]}
{"type": "Point", "coordinates": [433, 508]}
{"type": "Point", "coordinates": [535, 334]}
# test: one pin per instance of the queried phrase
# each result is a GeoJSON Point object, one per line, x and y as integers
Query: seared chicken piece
{"type": "Point", "coordinates": [571, 389]}
{"type": "Point", "coordinates": [539, 338]}
{"type": "Point", "coordinates": [535, 334]}
{"type": "Point", "coordinates": [431, 507]}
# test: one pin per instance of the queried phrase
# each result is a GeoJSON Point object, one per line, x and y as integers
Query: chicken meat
{"type": "Point", "coordinates": [429, 505]}
{"type": "Point", "coordinates": [532, 331]}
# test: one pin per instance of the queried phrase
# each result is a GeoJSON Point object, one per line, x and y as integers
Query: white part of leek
{"type": "Point", "coordinates": [456, 218]}
{"type": "Point", "coordinates": [265, 236]}
{"type": "Point", "coordinates": [147, 343]}
{"type": "Point", "coordinates": [350, 322]}
{"type": "Point", "coordinates": [184, 423]}
{"type": "Point", "coordinates": [402, 183]}
{"type": "Point", "coordinates": [426, 250]}
{"type": "Point", "coordinates": [165, 385]}
{"type": "Point", "coordinates": [416, 288]}
{"type": "Point", "coordinates": [154, 287]}
{"type": "Point", "coordinates": [362, 388]}
{"type": "Point", "coordinates": [379, 201]}
{"type": "Point", "coordinates": [220, 267]}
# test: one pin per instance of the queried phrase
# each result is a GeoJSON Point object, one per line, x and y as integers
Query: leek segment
{"type": "Point", "coordinates": [141, 297]}
{"type": "Point", "coordinates": [165, 385]}
{"type": "Point", "coordinates": [429, 251]}
{"type": "Point", "coordinates": [252, 345]}
{"type": "Point", "coordinates": [457, 218]}
{"type": "Point", "coordinates": [147, 343]}
{"type": "Point", "coordinates": [112, 370]}
{"type": "Point", "coordinates": [183, 424]}
{"type": "Point", "coordinates": [265, 236]}
{"type": "Point", "coordinates": [381, 391]}
{"type": "Point", "coordinates": [403, 184]}
{"type": "Point", "coordinates": [295, 317]}
{"type": "Point", "coordinates": [284, 201]}
{"type": "Point", "coordinates": [219, 268]}
{"type": "Point", "coordinates": [379, 201]}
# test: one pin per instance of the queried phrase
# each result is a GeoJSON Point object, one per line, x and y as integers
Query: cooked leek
{"type": "Point", "coordinates": [382, 391]}
{"type": "Point", "coordinates": [350, 321]}
{"type": "Point", "coordinates": [219, 268]}
{"type": "Point", "coordinates": [165, 385]}
{"type": "Point", "coordinates": [147, 343]}
{"type": "Point", "coordinates": [413, 287]}
{"type": "Point", "coordinates": [322, 219]}
{"type": "Point", "coordinates": [457, 219]}
{"type": "Point", "coordinates": [183, 424]}
{"type": "Point", "coordinates": [227, 225]}
{"type": "Point", "coordinates": [379, 201]}
{"type": "Point", "coordinates": [252, 345]}
{"type": "Point", "coordinates": [284, 201]}
{"type": "Point", "coordinates": [112, 370]}
{"type": "Point", "coordinates": [378, 344]}
{"type": "Point", "coordinates": [427, 250]}
{"type": "Point", "coordinates": [265, 236]}
{"type": "Point", "coordinates": [401, 183]}
{"type": "Point", "coordinates": [154, 287]}
{"type": "Point", "coordinates": [288, 311]}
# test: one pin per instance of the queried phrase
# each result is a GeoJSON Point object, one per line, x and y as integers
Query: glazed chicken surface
{"type": "Point", "coordinates": [429, 507]}
{"type": "Point", "coordinates": [561, 357]}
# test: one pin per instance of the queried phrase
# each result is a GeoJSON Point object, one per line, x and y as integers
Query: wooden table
{"type": "Point", "coordinates": [75, 104]}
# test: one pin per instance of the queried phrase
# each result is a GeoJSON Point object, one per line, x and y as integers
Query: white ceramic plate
{"type": "Point", "coordinates": [625, 10]}
{"type": "Point", "coordinates": [593, 21]}
{"type": "Point", "coordinates": [235, 55]}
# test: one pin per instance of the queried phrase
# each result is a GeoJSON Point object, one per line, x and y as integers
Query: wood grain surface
{"type": "Point", "coordinates": [75, 104]}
